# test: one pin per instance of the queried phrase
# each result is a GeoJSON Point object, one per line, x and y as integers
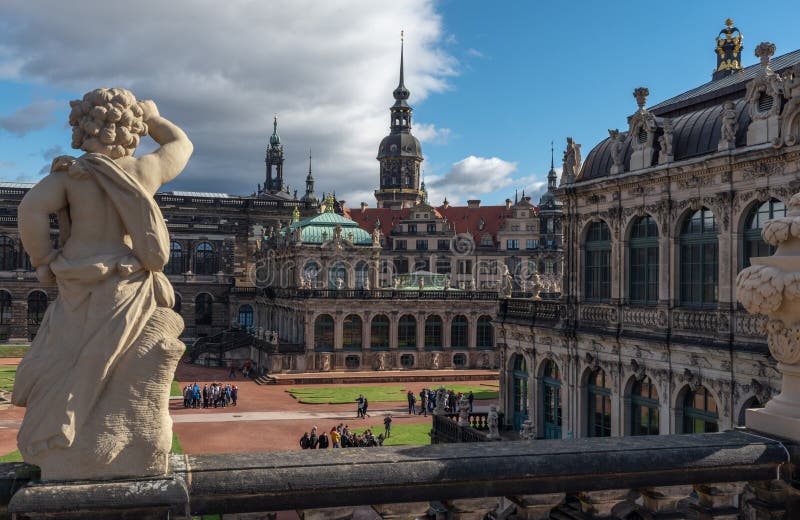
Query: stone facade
{"type": "Point", "coordinates": [654, 239]}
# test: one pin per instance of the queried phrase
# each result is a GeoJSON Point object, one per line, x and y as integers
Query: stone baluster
{"type": "Point", "coordinates": [718, 501]}
{"type": "Point", "coordinates": [327, 513]}
{"type": "Point", "coordinates": [601, 504]}
{"type": "Point", "coordinates": [470, 508]}
{"type": "Point", "coordinates": [405, 511]}
{"type": "Point", "coordinates": [536, 507]}
{"type": "Point", "coordinates": [771, 500]}
{"type": "Point", "coordinates": [664, 501]}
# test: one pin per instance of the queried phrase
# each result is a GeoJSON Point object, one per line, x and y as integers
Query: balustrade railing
{"type": "Point", "coordinates": [379, 294]}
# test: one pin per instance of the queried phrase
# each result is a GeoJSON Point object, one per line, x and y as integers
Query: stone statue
{"type": "Point", "coordinates": [572, 161]}
{"type": "Point", "coordinates": [339, 283]}
{"type": "Point", "coordinates": [617, 143]}
{"type": "Point", "coordinates": [376, 237]}
{"type": "Point", "coordinates": [535, 285]}
{"type": "Point", "coordinates": [436, 360]}
{"type": "Point", "coordinates": [528, 431]}
{"type": "Point", "coordinates": [380, 361]}
{"type": "Point", "coordinates": [730, 125]}
{"type": "Point", "coordinates": [421, 283]}
{"type": "Point", "coordinates": [463, 411]}
{"type": "Point", "coordinates": [506, 283]}
{"type": "Point", "coordinates": [273, 337]}
{"type": "Point", "coordinates": [325, 362]}
{"type": "Point", "coordinates": [396, 283]}
{"type": "Point", "coordinates": [494, 424]}
{"type": "Point", "coordinates": [365, 285]}
{"type": "Point", "coordinates": [96, 379]}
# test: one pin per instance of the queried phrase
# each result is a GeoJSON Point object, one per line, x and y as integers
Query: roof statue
{"type": "Point", "coordinates": [112, 324]}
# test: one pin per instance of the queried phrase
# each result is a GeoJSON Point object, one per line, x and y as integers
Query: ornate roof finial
{"type": "Point", "coordinates": [641, 94]}
{"type": "Point", "coordinates": [401, 93]}
{"type": "Point", "coordinates": [275, 139]}
{"type": "Point", "coordinates": [764, 52]}
{"type": "Point", "coordinates": [296, 215]}
{"type": "Point", "coordinates": [728, 51]}
{"type": "Point", "coordinates": [552, 164]}
{"type": "Point", "coordinates": [330, 202]}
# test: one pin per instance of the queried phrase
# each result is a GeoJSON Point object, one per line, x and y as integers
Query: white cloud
{"type": "Point", "coordinates": [470, 177]}
{"type": "Point", "coordinates": [475, 53]}
{"type": "Point", "coordinates": [35, 116]}
{"type": "Point", "coordinates": [429, 133]}
{"type": "Point", "coordinates": [220, 71]}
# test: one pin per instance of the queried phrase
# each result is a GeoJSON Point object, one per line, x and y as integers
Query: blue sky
{"type": "Point", "coordinates": [491, 84]}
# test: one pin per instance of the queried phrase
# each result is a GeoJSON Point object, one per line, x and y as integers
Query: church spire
{"type": "Point", "coordinates": [552, 176]}
{"type": "Point", "coordinates": [401, 93]}
{"type": "Point", "coordinates": [309, 196]}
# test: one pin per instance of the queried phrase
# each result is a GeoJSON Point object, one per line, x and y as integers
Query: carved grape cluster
{"type": "Point", "coordinates": [760, 289]}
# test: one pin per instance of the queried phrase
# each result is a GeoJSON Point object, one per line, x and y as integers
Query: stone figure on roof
{"type": "Point", "coordinates": [572, 161]}
{"type": "Point", "coordinates": [730, 125]}
{"type": "Point", "coordinates": [95, 382]}
{"type": "Point", "coordinates": [617, 143]}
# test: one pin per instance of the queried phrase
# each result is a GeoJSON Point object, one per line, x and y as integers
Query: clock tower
{"type": "Point", "coordinates": [399, 154]}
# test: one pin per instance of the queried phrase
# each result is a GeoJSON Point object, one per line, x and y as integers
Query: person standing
{"type": "Point", "coordinates": [336, 438]}
{"type": "Point", "coordinates": [234, 394]}
{"type": "Point", "coordinates": [364, 409]}
{"type": "Point", "coordinates": [423, 400]}
{"type": "Point", "coordinates": [387, 423]}
{"type": "Point", "coordinates": [360, 409]}
{"type": "Point", "coordinates": [471, 398]}
{"type": "Point", "coordinates": [314, 440]}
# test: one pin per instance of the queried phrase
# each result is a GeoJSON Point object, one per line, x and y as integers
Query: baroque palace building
{"type": "Point", "coordinates": [402, 285]}
{"type": "Point", "coordinates": [648, 337]}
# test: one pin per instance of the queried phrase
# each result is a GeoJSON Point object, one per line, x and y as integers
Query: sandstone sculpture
{"type": "Point", "coordinates": [96, 379]}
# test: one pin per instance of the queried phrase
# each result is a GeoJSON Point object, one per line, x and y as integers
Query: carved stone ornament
{"type": "Point", "coordinates": [96, 378]}
{"type": "Point", "coordinates": [771, 286]}
{"type": "Point", "coordinates": [571, 162]}
{"type": "Point", "coordinates": [638, 369]}
{"type": "Point", "coordinates": [730, 125]}
{"type": "Point", "coordinates": [617, 149]}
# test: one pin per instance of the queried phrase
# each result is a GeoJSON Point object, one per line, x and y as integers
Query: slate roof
{"type": "Point", "coordinates": [320, 228]}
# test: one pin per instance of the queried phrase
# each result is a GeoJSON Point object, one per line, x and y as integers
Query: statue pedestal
{"type": "Point", "coordinates": [781, 415]}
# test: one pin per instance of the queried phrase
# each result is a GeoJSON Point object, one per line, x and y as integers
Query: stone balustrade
{"type": "Point", "coordinates": [714, 475]}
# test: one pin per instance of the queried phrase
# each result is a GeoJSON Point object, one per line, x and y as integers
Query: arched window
{"type": "Point", "coordinates": [362, 275]}
{"type": "Point", "coordinates": [698, 254]}
{"type": "Point", "coordinates": [379, 332]}
{"type": "Point", "coordinates": [203, 306]}
{"type": "Point", "coordinates": [336, 272]}
{"type": "Point", "coordinates": [644, 408]}
{"type": "Point", "coordinates": [485, 337]}
{"type": "Point", "coordinates": [433, 333]}
{"type": "Point", "coordinates": [599, 398]}
{"type": "Point", "coordinates": [459, 332]}
{"type": "Point", "coordinates": [178, 302]}
{"type": "Point", "coordinates": [551, 400]}
{"type": "Point", "coordinates": [460, 360]}
{"type": "Point", "coordinates": [643, 261]}
{"type": "Point", "coordinates": [37, 305]}
{"type": "Point", "coordinates": [311, 274]}
{"type": "Point", "coordinates": [205, 260]}
{"type": "Point", "coordinates": [245, 318]}
{"type": "Point", "coordinates": [8, 254]}
{"type": "Point", "coordinates": [597, 271]}
{"type": "Point", "coordinates": [520, 391]}
{"type": "Point", "coordinates": [5, 307]}
{"type": "Point", "coordinates": [700, 413]}
{"type": "Point", "coordinates": [323, 333]}
{"type": "Point", "coordinates": [175, 264]}
{"type": "Point", "coordinates": [352, 333]}
{"type": "Point", "coordinates": [754, 245]}
{"type": "Point", "coordinates": [407, 332]}
{"type": "Point", "coordinates": [407, 361]}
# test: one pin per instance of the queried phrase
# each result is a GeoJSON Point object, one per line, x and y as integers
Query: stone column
{"type": "Point", "coordinates": [536, 507]}
{"type": "Point", "coordinates": [600, 504]}
{"type": "Point", "coordinates": [663, 502]}
{"type": "Point", "coordinates": [771, 286]}
{"type": "Point", "coordinates": [420, 331]}
{"type": "Point", "coordinates": [366, 321]}
{"type": "Point", "coordinates": [338, 330]}
{"type": "Point", "coordinates": [393, 322]}
{"type": "Point", "coordinates": [472, 331]}
{"type": "Point", "coordinates": [446, 329]}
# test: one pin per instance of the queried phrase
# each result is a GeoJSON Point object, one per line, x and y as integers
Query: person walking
{"type": "Point", "coordinates": [387, 423]}
{"type": "Point", "coordinates": [360, 408]}
{"type": "Point", "coordinates": [423, 400]}
{"type": "Point", "coordinates": [364, 409]}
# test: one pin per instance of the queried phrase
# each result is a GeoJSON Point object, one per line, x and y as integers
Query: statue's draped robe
{"type": "Point", "coordinates": [103, 305]}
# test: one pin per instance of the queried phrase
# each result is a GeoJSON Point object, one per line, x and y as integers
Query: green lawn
{"type": "Point", "coordinates": [176, 444]}
{"type": "Point", "coordinates": [7, 377]}
{"type": "Point", "coordinates": [377, 394]}
{"type": "Point", "coordinates": [175, 389]}
{"type": "Point", "coordinates": [13, 351]}
{"type": "Point", "coordinates": [404, 434]}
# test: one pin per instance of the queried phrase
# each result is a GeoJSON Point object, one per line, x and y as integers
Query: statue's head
{"type": "Point", "coordinates": [107, 121]}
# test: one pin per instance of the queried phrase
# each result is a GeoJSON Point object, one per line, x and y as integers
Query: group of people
{"type": "Point", "coordinates": [340, 437]}
{"type": "Point", "coordinates": [215, 395]}
{"type": "Point", "coordinates": [427, 401]}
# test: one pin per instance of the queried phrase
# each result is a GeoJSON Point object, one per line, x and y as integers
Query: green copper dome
{"type": "Point", "coordinates": [321, 228]}
{"type": "Point", "coordinates": [275, 139]}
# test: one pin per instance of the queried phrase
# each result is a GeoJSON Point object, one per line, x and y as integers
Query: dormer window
{"type": "Point", "coordinates": [641, 137]}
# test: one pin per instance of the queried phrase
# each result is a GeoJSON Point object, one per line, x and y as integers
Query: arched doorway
{"type": "Point", "coordinates": [520, 391]}
{"type": "Point", "coordinates": [551, 400]}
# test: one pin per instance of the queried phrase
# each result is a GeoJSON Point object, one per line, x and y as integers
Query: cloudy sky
{"type": "Point", "coordinates": [491, 86]}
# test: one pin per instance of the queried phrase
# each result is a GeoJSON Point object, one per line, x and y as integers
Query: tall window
{"type": "Point", "coordinates": [754, 245]}
{"type": "Point", "coordinates": [643, 261]}
{"type": "Point", "coordinates": [599, 392]}
{"type": "Point", "coordinates": [407, 332]}
{"type": "Point", "coordinates": [551, 400]}
{"type": "Point", "coordinates": [597, 272]}
{"type": "Point", "coordinates": [5, 307]}
{"type": "Point", "coordinates": [362, 275]}
{"type": "Point", "coordinates": [458, 332]}
{"type": "Point", "coordinates": [700, 413]}
{"type": "Point", "coordinates": [245, 316]}
{"type": "Point", "coordinates": [175, 264]}
{"type": "Point", "coordinates": [37, 305]}
{"type": "Point", "coordinates": [352, 333]}
{"type": "Point", "coordinates": [644, 408]}
{"type": "Point", "coordinates": [8, 254]}
{"type": "Point", "coordinates": [202, 309]}
{"type": "Point", "coordinates": [205, 260]}
{"type": "Point", "coordinates": [520, 391]}
{"type": "Point", "coordinates": [337, 272]}
{"type": "Point", "coordinates": [379, 332]}
{"type": "Point", "coordinates": [323, 333]}
{"type": "Point", "coordinates": [433, 333]}
{"type": "Point", "coordinates": [699, 266]}
{"type": "Point", "coordinates": [485, 337]}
